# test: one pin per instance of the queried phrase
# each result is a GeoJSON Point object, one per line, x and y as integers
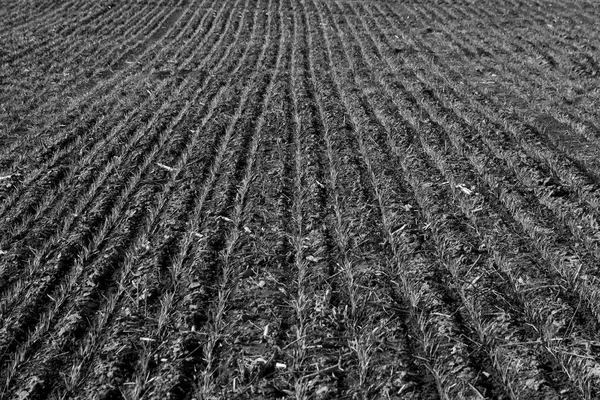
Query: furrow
{"type": "Point", "coordinates": [158, 146]}
{"type": "Point", "coordinates": [442, 240]}
{"type": "Point", "coordinates": [81, 170]}
{"type": "Point", "coordinates": [363, 272]}
{"type": "Point", "coordinates": [465, 297]}
{"type": "Point", "coordinates": [437, 156]}
{"type": "Point", "coordinates": [57, 41]}
{"type": "Point", "coordinates": [548, 313]}
{"type": "Point", "coordinates": [542, 218]}
{"type": "Point", "coordinates": [307, 235]}
{"type": "Point", "coordinates": [309, 199]}
{"type": "Point", "coordinates": [146, 290]}
{"type": "Point", "coordinates": [75, 24]}
{"type": "Point", "coordinates": [578, 181]}
{"type": "Point", "coordinates": [59, 107]}
{"type": "Point", "coordinates": [111, 231]}
{"type": "Point", "coordinates": [174, 295]}
{"type": "Point", "coordinates": [539, 85]}
{"type": "Point", "coordinates": [334, 169]}
{"type": "Point", "coordinates": [23, 21]}
{"type": "Point", "coordinates": [298, 196]}
{"type": "Point", "coordinates": [586, 163]}
{"type": "Point", "coordinates": [80, 111]}
{"type": "Point", "coordinates": [529, 176]}
{"type": "Point", "coordinates": [67, 82]}
{"type": "Point", "coordinates": [221, 325]}
{"type": "Point", "coordinates": [84, 202]}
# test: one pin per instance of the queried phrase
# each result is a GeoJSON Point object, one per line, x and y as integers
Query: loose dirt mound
{"type": "Point", "coordinates": [299, 199]}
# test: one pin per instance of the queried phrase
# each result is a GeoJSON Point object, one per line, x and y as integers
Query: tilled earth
{"type": "Point", "coordinates": [309, 199]}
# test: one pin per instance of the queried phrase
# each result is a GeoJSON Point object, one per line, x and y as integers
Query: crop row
{"type": "Point", "coordinates": [303, 199]}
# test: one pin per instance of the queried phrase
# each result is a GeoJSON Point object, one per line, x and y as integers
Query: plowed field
{"type": "Point", "coordinates": [310, 199]}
